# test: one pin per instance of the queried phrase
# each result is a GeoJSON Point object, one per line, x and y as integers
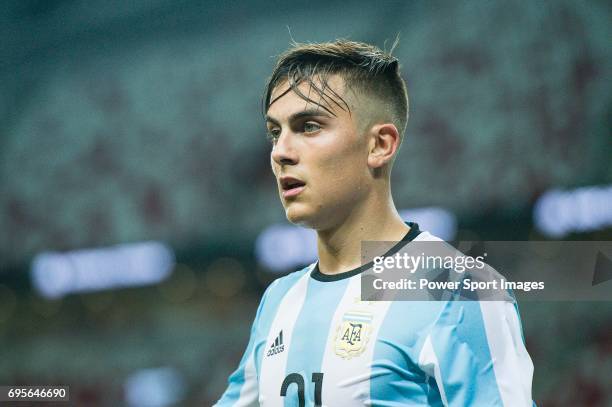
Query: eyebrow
{"type": "Point", "coordinates": [300, 115]}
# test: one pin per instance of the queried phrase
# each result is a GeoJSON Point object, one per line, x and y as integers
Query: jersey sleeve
{"type": "Point", "coordinates": [476, 353]}
{"type": "Point", "coordinates": [242, 389]}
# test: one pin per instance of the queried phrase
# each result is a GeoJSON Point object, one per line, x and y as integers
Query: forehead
{"type": "Point", "coordinates": [285, 101]}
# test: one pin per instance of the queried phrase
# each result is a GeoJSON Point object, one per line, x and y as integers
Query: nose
{"type": "Point", "coordinates": [284, 151]}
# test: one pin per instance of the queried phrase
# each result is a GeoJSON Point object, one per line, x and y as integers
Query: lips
{"type": "Point", "coordinates": [291, 186]}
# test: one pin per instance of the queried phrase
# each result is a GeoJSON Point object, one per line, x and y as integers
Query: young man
{"type": "Point", "coordinates": [335, 114]}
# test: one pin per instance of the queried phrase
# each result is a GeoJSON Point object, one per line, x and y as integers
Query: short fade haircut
{"type": "Point", "coordinates": [364, 68]}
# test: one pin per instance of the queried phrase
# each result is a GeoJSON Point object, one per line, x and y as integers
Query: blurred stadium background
{"type": "Point", "coordinates": [138, 212]}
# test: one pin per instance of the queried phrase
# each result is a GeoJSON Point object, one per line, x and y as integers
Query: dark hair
{"type": "Point", "coordinates": [365, 69]}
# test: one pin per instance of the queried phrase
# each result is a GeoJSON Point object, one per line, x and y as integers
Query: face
{"type": "Point", "coordinates": [319, 160]}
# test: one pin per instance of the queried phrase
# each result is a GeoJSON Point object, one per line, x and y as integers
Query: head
{"type": "Point", "coordinates": [335, 113]}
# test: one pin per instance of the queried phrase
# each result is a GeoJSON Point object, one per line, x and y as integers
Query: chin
{"type": "Point", "coordinates": [295, 217]}
{"type": "Point", "coordinates": [298, 215]}
{"type": "Point", "coordinates": [307, 217]}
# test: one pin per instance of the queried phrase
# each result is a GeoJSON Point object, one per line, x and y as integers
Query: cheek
{"type": "Point", "coordinates": [343, 170]}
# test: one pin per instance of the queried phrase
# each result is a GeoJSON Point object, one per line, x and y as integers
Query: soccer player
{"type": "Point", "coordinates": [335, 114]}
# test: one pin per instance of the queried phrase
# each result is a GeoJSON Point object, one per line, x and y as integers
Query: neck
{"type": "Point", "coordinates": [339, 247]}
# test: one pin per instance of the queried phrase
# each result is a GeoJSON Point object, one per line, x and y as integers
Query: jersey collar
{"type": "Point", "coordinates": [412, 233]}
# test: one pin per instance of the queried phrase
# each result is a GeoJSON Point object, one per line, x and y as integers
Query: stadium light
{"type": "Point", "coordinates": [284, 247]}
{"type": "Point", "coordinates": [55, 274]}
{"type": "Point", "coordinates": [557, 212]}
{"type": "Point", "coordinates": [156, 387]}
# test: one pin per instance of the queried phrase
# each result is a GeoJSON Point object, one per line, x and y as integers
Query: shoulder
{"type": "Point", "coordinates": [282, 285]}
{"type": "Point", "coordinates": [274, 295]}
{"type": "Point", "coordinates": [290, 279]}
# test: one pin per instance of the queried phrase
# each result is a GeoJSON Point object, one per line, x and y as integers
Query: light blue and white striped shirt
{"type": "Point", "coordinates": [315, 343]}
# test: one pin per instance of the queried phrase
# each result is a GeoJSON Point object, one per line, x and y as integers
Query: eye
{"type": "Point", "coordinates": [311, 127]}
{"type": "Point", "coordinates": [273, 134]}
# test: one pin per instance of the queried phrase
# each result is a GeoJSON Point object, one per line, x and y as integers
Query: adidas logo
{"type": "Point", "coordinates": [277, 346]}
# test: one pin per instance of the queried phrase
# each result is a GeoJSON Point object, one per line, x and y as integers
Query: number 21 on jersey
{"type": "Point", "coordinates": [298, 379]}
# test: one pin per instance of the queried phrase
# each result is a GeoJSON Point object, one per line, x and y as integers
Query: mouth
{"type": "Point", "coordinates": [291, 186]}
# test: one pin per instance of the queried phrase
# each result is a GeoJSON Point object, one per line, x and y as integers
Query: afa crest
{"type": "Point", "coordinates": [352, 334]}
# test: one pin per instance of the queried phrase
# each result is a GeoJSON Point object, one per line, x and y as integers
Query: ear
{"type": "Point", "coordinates": [383, 144]}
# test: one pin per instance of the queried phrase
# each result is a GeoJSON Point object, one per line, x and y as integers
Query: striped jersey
{"type": "Point", "coordinates": [315, 343]}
